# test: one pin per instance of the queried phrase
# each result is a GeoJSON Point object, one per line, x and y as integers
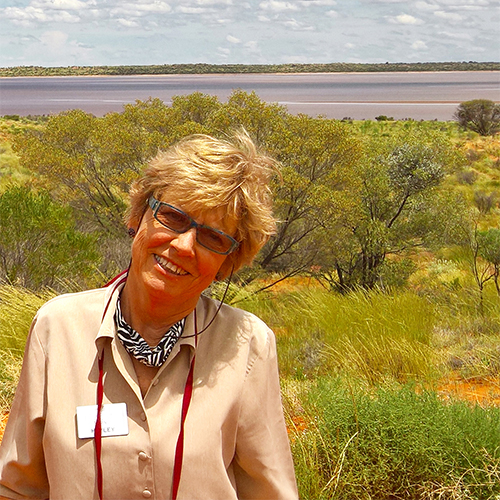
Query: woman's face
{"type": "Point", "coordinates": [174, 266]}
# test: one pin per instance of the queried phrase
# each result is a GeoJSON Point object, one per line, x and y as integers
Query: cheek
{"type": "Point", "coordinates": [210, 265]}
{"type": "Point", "coordinates": [147, 238]}
{"type": "Point", "coordinates": [138, 243]}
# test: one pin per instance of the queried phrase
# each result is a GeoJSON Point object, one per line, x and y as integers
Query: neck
{"type": "Point", "coordinates": [149, 315]}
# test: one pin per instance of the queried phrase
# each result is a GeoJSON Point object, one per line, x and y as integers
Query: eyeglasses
{"type": "Point", "coordinates": [178, 221]}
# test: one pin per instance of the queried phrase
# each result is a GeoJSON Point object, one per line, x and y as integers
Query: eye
{"type": "Point", "coordinates": [214, 239]}
{"type": "Point", "coordinates": [173, 218]}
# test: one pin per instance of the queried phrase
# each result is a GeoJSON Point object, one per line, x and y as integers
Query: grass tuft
{"type": "Point", "coordinates": [374, 334]}
{"type": "Point", "coordinates": [393, 442]}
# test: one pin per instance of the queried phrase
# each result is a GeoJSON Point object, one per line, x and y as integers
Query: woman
{"type": "Point", "coordinates": [188, 388]}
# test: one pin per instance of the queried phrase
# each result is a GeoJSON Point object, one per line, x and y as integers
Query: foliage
{"type": "Point", "coordinates": [202, 68]}
{"type": "Point", "coordinates": [263, 121]}
{"type": "Point", "coordinates": [89, 162]}
{"type": "Point", "coordinates": [353, 202]}
{"type": "Point", "coordinates": [485, 202]}
{"type": "Point", "coordinates": [38, 241]}
{"type": "Point", "coordinates": [370, 334]}
{"type": "Point", "coordinates": [489, 250]}
{"type": "Point", "coordinates": [392, 442]}
{"type": "Point", "coordinates": [392, 209]}
{"type": "Point", "coordinates": [480, 115]}
{"type": "Point", "coordinates": [479, 249]}
{"type": "Point", "coordinates": [317, 158]}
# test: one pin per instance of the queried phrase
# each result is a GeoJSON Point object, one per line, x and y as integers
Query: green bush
{"type": "Point", "coordinates": [479, 115]}
{"type": "Point", "coordinates": [394, 443]}
{"type": "Point", "coordinates": [39, 243]}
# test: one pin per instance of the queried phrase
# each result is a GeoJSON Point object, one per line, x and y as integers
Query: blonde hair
{"type": "Point", "coordinates": [205, 174]}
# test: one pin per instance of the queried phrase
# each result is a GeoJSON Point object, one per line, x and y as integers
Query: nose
{"type": "Point", "coordinates": [184, 243]}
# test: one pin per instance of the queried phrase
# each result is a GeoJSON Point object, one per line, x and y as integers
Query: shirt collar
{"type": "Point", "coordinates": [107, 331]}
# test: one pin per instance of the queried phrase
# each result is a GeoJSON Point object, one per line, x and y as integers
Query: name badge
{"type": "Point", "coordinates": [114, 420]}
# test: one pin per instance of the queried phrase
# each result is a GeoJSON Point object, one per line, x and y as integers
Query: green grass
{"type": "Point", "coordinates": [374, 334]}
{"type": "Point", "coordinates": [390, 443]}
{"type": "Point", "coordinates": [353, 371]}
{"type": "Point", "coordinates": [17, 309]}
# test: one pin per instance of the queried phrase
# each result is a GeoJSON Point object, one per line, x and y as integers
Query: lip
{"type": "Point", "coordinates": [169, 266]}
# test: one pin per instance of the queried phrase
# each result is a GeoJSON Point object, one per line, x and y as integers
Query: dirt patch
{"type": "Point", "coordinates": [484, 392]}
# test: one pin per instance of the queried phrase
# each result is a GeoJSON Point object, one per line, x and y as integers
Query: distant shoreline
{"type": "Point", "coordinates": [213, 69]}
{"type": "Point", "coordinates": [140, 75]}
{"type": "Point", "coordinates": [415, 95]}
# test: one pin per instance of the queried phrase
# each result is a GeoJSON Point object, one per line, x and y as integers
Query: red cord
{"type": "Point", "coordinates": [98, 429]}
{"type": "Point", "coordinates": [186, 400]}
{"type": "Point", "coordinates": [179, 448]}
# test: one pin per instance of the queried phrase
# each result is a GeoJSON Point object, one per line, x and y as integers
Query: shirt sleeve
{"type": "Point", "coordinates": [263, 463]}
{"type": "Point", "coordinates": [22, 465]}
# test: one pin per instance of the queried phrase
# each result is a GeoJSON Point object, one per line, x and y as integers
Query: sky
{"type": "Point", "coordinates": [143, 32]}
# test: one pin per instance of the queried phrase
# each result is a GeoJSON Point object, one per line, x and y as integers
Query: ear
{"type": "Point", "coordinates": [133, 223]}
{"type": "Point", "coordinates": [225, 269]}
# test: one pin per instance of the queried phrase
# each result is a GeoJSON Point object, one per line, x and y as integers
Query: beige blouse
{"type": "Point", "coordinates": [235, 446]}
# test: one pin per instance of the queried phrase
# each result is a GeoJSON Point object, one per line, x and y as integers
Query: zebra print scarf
{"type": "Point", "coordinates": [139, 348]}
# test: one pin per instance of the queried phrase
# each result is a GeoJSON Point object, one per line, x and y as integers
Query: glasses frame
{"type": "Point", "coordinates": [155, 205]}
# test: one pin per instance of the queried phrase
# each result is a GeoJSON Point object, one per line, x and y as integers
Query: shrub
{"type": "Point", "coordinates": [39, 243]}
{"type": "Point", "coordinates": [467, 177]}
{"type": "Point", "coordinates": [393, 442]}
{"type": "Point", "coordinates": [479, 115]}
{"type": "Point", "coordinates": [484, 202]}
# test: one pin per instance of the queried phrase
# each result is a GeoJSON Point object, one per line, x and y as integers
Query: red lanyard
{"type": "Point", "coordinates": [179, 448]}
{"type": "Point", "coordinates": [186, 400]}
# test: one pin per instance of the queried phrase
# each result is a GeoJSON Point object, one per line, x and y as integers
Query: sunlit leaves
{"type": "Point", "coordinates": [39, 243]}
{"type": "Point", "coordinates": [479, 115]}
{"type": "Point", "coordinates": [344, 201]}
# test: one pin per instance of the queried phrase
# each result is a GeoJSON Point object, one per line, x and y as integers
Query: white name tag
{"type": "Point", "coordinates": [114, 420]}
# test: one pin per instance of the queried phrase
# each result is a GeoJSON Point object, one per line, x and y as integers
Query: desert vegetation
{"type": "Point", "coordinates": [202, 68]}
{"type": "Point", "coordinates": [381, 284]}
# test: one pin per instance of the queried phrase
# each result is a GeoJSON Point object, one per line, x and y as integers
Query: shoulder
{"type": "Point", "coordinates": [73, 303]}
{"type": "Point", "coordinates": [82, 311]}
{"type": "Point", "coordinates": [233, 325]}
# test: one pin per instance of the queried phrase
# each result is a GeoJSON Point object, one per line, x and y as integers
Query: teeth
{"type": "Point", "coordinates": [167, 265]}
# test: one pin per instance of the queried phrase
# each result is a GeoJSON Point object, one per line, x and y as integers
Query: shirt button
{"type": "Point", "coordinates": [143, 456]}
{"type": "Point", "coordinates": [143, 416]}
{"type": "Point", "coordinates": [146, 494]}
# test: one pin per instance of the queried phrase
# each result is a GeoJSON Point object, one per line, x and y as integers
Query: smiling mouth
{"type": "Point", "coordinates": [169, 266]}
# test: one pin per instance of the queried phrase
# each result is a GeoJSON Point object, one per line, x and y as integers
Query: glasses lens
{"type": "Point", "coordinates": [173, 219]}
{"type": "Point", "coordinates": [176, 220]}
{"type": "Point", "coordinates": [213, 240]}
